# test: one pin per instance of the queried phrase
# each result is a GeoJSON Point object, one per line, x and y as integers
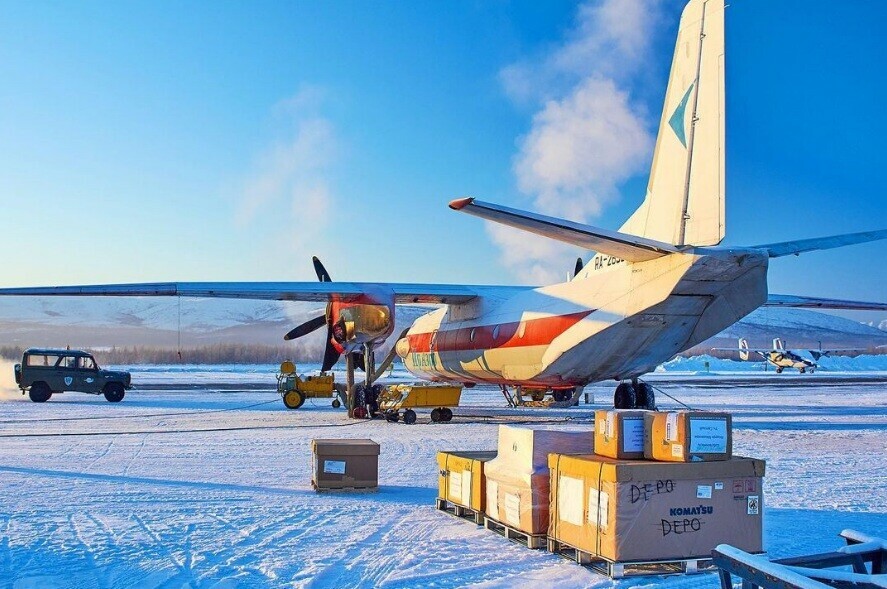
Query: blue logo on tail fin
{"type": "Point", "coordinates": [676, 122]}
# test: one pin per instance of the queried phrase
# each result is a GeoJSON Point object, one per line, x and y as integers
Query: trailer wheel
{"type": "Point", "coordinates": [114, 392]}
{"type": "Point", "coordinates": [409, 417]}
{"type": "Point", "coordinates": [436, 415]}
{"type": "Point", "coordinates": [293, 399]}
{"type": "Point", "coordinates": [336, 403]}
{"type": "Point", "coordinates": [40, 392]}
{"type": "Point", "coordinates": [447, 414]}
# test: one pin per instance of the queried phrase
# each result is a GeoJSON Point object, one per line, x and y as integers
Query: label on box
{"type": "Point", "coordinates": [602, 427]}
{"type": "Point", "coordinates": [334, 466]}
{"type": "Point", "coordinates": [633, 434]}
{"type": "Point", "coordinates": [611, 419]}
{"type": "Point", "coordinates": [677, 450]}
{"type": "Point", "coordinates": [456, 486]}
{"type": "Point", "coordinates": [569, 500]}
{"type": "Point", "coordinates": [719, 486]}
{"type": "Point", "coordinates": [493, 498]}
{"type": "Point", "coordinates": [598, 508]}
{"type": "Point", "coordinates": [754, 505]}
{"type": "Point", "coordinates": [512, 509]}
{"type": "Point", "coordinates": [703, 491]}
{"type": "Point", "coordinates": [466, 488]}
{"type": "Point", "coordinates": [671, 427]}
{"type": "Point", "coordinates": [708, 436]}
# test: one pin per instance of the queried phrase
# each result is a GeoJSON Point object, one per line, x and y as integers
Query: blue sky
{"type": "Point", "coordinates": [232, 141]}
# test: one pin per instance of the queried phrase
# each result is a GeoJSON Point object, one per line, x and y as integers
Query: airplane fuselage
{"type": "Point", "coordinates": [615, 320]}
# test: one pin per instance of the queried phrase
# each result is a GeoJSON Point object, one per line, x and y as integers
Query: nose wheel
{"type": "Point", "coordinates": [634, 395]}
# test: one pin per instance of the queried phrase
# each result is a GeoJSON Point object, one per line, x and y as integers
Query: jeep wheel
{"type": "Point", "coordinates": [114, 392]}
{"type": "Point", "coordinates": [40, 392]}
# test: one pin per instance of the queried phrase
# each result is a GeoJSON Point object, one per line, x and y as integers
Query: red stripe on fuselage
{"type": "Point", "coordinates": [535, 332]}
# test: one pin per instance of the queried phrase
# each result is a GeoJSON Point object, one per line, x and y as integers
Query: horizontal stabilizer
{"type": "Point", "coordinates": [821, 243]}
{"type": "Point", "coordinates": [777, 300]}
{"type": "Point", "coordinates": [403, 293]}
{"type": "Point", "coordinates": [622, 245]}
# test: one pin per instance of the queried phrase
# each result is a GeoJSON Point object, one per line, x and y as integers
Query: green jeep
{"type": "Point", "coordinates": [44, 372]}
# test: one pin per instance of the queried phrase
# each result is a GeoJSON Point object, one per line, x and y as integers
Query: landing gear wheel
{"type": "Point", "coordinates": [446, 413]}
{"type": "Point", "coordinates": [779, 370]}
{"type": "Point", "coordinates": [293, 399]}
{"type": "Point", "coordinates": [40, 392]}
{"type": "Point", "coordinates": [645, 398]}
{"type": "Point", "coordinates": [409, 417]}
{"type": "Point", "coordinates": [391, 417]}
{"type": "Point", "coordinates": [336, 403]}
{"type": "Point", "coordinates": [114, 392]}
{"type": "Point", "coordinates": [436, 415]}
{"type": "Point", "coordinates": [561, 395]}
{"type": "Point", "coordinates": [803, 370]}
{"type": "Point", "coordinates": [360, 412]}
{"type": "Point", "coordinates": [624, 398]}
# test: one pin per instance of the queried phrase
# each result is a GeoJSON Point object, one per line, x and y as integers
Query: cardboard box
{"type": "Point", "coordinates": [688, 436]}
{"type": "Point", "coordinates": [521, 503]}
{"type": "Point", "coordinates": [339, 464]}
{"type": "Point", "coordinates": [461, 478]}
{"type": "Point", "coordinates": [517, 479]}
{"type": "Point", "coordinates": [638, 510]}
{"type": "Point", "coordinates": [619, 433]}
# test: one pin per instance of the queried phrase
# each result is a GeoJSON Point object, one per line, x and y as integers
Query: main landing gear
{"type": "Point", "coordinates": [634, 395]}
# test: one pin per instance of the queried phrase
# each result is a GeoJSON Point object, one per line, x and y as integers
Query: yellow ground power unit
{"type": "Point", "coordinates": [295, 389]}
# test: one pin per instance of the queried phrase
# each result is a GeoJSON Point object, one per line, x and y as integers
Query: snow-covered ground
{"type": "Point", "coordinates": [202, 479]}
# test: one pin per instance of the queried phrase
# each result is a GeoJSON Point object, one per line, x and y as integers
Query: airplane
{"type": "Point", "coordinates": [780, 358]}
{"type": "Point", "coordinates": [659, 285]}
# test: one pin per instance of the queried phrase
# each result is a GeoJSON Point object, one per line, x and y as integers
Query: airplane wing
{"type": "Point", "coordinates": [404, 293]}
{"type": "Point", "coordinates": [786, 248]}
{"type": "Point", "coordinates": [777, 300]}
{"type": "Point", "coordinates": [622, 245]}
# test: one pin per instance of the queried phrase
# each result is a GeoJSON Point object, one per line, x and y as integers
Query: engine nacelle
{"type": "Point", "coordinates": [369, 320]}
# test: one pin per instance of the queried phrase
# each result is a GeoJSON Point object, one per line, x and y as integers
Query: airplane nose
{"type": "Point", "coordinates": [402, 347]}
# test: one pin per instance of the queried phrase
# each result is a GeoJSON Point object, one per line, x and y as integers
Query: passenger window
{"type": "Point", "coordinates": [68, 362]}
{"type": "Point", "coordinates": [87, 364]}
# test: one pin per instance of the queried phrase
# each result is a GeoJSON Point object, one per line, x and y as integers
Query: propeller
{"type": "Point", "coordinates": [330, 354]}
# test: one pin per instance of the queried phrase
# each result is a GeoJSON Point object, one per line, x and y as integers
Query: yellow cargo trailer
{"type": "Point", "coordinates": [407, 397]}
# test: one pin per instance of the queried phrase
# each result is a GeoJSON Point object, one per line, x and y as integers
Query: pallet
{"type": "Point", "coordinates": [619, 570]}
{"type": "Point", "coordinates": [344, 489]}
{"type": "Point", "coordinates": [460, 511]}
{"type": "Point", "coordinates": [532, 541]}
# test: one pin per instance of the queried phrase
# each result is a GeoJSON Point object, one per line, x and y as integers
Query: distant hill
{"type": "Point", "coordinates": [200, 323]}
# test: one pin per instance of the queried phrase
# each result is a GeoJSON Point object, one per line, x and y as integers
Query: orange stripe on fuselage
{"type": "Point", "coordinates": [536, 332]}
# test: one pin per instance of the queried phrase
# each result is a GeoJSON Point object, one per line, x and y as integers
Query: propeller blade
{"type": "Point", "coordinates": [322, 274]}
{"type": "Point", "coordinates": [579, 266]}
{"type": "Point", "coordinates": [306, 328]}
{"type": "Point", "coordinates": [330, 354]}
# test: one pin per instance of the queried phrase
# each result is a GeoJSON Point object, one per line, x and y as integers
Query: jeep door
{"type": "Point", "coordinates": [88, 375]}
{"type": "Point", "coordinates": [66, 375]}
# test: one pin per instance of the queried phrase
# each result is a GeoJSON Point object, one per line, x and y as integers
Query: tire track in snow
{"type": "Point", "coordinates": [91, 564]}
{"type": "Point", "coordinates": [160, 549]}
{"type": "Point", "coordinates": [100, 456]}
{"type": "Point", "coordinates": [6, 553]}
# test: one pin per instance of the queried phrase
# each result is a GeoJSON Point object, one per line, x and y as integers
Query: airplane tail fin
{"type": "Point", "coordinates": [743, 349]}
{"type": "Point", "coordinates": [685, 194]}
{"type": "Point", "coordinates": [778, 345]}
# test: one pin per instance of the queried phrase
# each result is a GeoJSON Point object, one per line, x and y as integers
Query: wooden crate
{"type": "Point", "coordinates": [619, 570]}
